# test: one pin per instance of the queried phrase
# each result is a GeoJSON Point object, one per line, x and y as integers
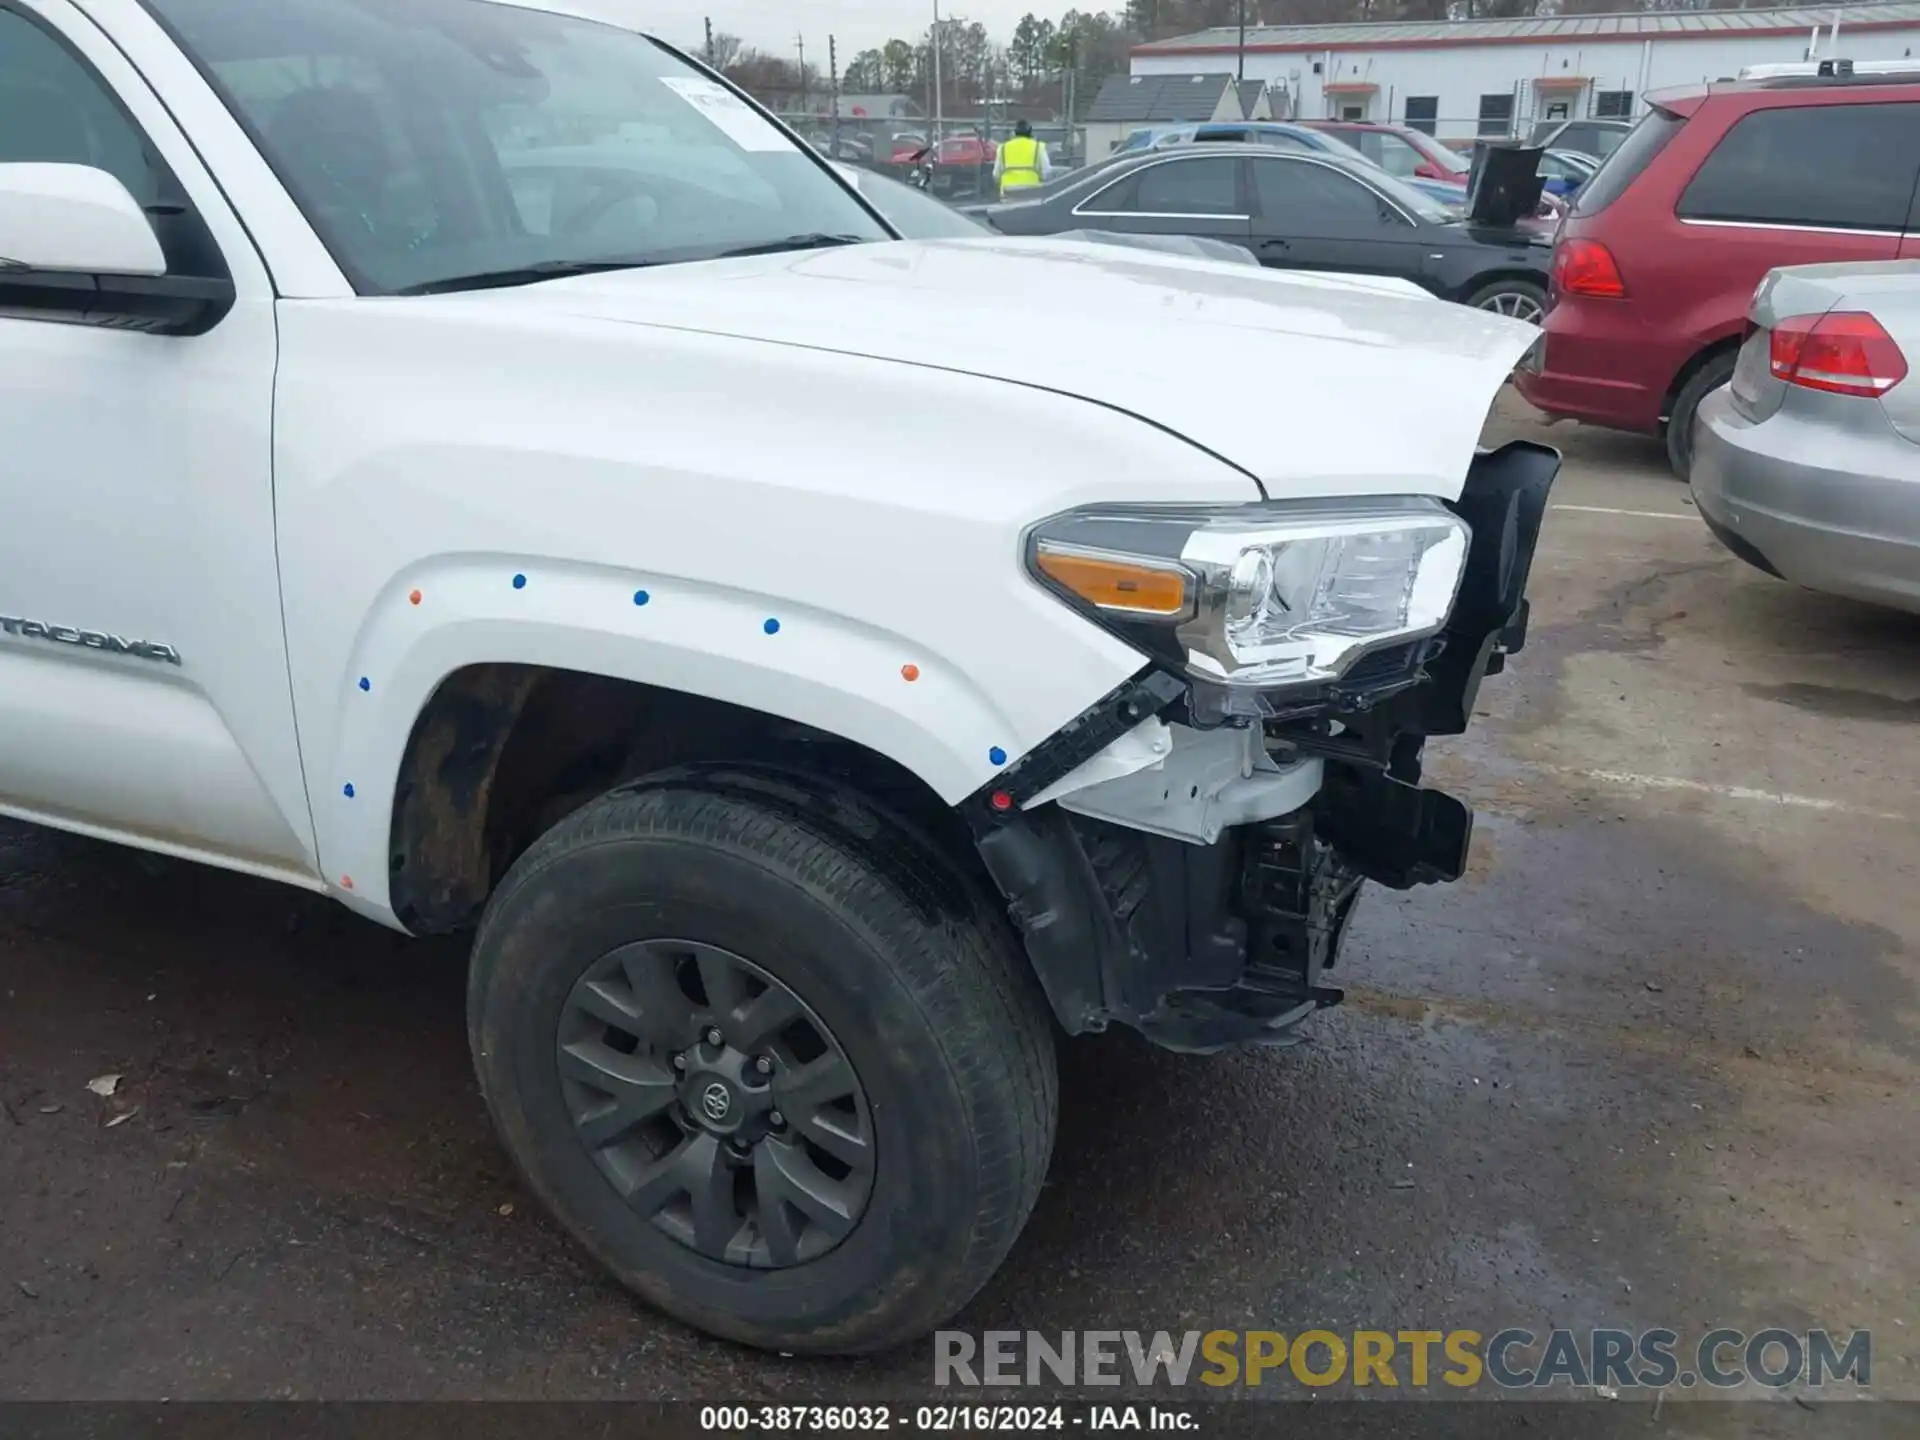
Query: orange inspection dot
{"type": "Point", "coordinates": [346, 882]}
{"type": "Point", "coordinates": [414, 598]}
{"type": "Point", "coordinates": [909, 672]}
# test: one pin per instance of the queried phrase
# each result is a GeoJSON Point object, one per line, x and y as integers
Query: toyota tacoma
{"type": "Point", "coordinates": [465, 458]}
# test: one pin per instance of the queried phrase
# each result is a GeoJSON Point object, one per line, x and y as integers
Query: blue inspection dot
{"type": "Point", "coordinates": [772, 627]}
{"type": "Point", "coordinates": [997, 755]}
{"type": "Point", "coordinates": [365, 683]}
{"type": "Point", "coordinates": [640, 597]}
{"type": "Point", "coordinates": [348, 792]}
{"type": "Point", "coordinates": [519, 582]}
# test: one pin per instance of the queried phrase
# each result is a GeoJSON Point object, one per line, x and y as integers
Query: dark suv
{"type": "Point", "coordinates": [1655, 267]}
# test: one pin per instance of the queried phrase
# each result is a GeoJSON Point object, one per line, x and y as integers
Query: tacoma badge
{"type": "Point", "coordinates": [88, 639]}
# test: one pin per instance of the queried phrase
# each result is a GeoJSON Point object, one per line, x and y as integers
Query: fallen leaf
{"type": "Point", "coordinates": [506, 1209]}
{"type": "Point", "coordinates": [122, 1119]}
{"type": "Point", "coordinates": [104, 1085]}
{"type": "Point", "coordinates": [27, 1290]}
{"type": "Point", "coordinates": [51, 1109]}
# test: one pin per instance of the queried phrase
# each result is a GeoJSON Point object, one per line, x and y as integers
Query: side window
{"type": "Point", "coordinates": [55, 111]}
{"type": "Point", "coordinates": [1589, 139]}
{"type": "Point", "coordinates": [1298, 194]}
{"type": "Point", "coordinates": [1116, 199]}
{"type": "Point", "coordinates": [1203, 186]}
{"type": "Point", "coordinates": [1399, 157]}
{"type": "Point", "coordinates": [1848, 167]}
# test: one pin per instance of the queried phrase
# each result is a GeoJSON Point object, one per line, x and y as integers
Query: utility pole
{"type": "Point", "coordinates": [1066, 95]}
{"type": "Point", "coordinates": [939, 111]}
{"type": "Point", "coordinates": [709, 40]}
{"type": "Point", "coordinates": [1243, 42]}
{"type": "Point", "coordinates": [801, 40]}
{"type": "Point", "coordinates": [833, 79]}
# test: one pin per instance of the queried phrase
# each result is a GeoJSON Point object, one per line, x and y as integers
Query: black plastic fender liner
{"type": "Point", "coordinates": [1505, 502]}
{"type": "Point", "coordinates": [1071, 934]}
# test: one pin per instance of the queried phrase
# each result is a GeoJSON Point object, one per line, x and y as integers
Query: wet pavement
{"type": "Point", "coordinates": [1652, 1063]}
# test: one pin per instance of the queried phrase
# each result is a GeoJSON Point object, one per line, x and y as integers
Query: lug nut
{"type": "Point", "coordinates": [679, 1062]}
{"type": "Point", "coordinates": [714, 1037]}
{"type": "Point", "coordinates": [763, 1065]}
{"type": "Point", "coordinates": [776, 1119]}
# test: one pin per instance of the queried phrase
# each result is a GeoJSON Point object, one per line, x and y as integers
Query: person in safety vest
{"type": "Point", "coordinates": [1022, 162]}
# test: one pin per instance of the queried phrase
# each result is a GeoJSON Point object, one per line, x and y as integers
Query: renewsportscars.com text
{"type": "Point", "coordinates": [1512, 1359]}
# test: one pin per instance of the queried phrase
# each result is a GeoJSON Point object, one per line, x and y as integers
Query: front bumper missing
{"type": "Point", "coordinates": [1204, 933]}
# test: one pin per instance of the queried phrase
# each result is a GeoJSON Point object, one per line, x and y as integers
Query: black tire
{"type": "Point", "coordinates": [918, 977]}
{"type": "Point", "coordinates": [1716, 372]}
{"type": "Point", "coordinates": [1522, 295]}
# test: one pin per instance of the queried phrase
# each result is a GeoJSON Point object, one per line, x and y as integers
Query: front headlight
{"type": "Point", "coordinates": [1262, 596]}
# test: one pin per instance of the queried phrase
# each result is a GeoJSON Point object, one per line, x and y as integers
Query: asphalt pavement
{"type": "Point", "coordinates": [1651, 1064]}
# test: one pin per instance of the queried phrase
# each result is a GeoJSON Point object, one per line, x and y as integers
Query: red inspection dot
{"type": "Point", "coordinates": [414, 598]}
{"type": "Point", "coordinates": [1001, 800]}
{"type": "Point", "coordinates": [346, 882]}
{"type": "Point", "coordinates": [909, 673]}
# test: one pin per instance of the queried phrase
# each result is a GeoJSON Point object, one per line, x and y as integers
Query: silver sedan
{"type": "Point", "coordinates": [1807, 464]}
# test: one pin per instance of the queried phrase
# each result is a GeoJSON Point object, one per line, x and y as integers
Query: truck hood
{"type": "Point", "coordinates": [1311, 384]}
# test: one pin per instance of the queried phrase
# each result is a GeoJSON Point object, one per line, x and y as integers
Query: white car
{"type": "Point", "coordinates": [820, 665]}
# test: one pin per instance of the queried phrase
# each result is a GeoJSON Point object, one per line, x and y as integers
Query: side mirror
{"type": "Point", "coordinates": [74, 218]}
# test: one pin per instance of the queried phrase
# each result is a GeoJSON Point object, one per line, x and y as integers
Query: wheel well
{"type": "Point", "coordinates": [1701, 359]}
{"type": "Point", "coordinates": [502, 753]}
{"type": "Point", "coordinates": [1480, 282]}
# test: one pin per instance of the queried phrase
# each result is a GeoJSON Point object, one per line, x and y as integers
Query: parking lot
{"type": "Point", "coordinates": [1652, 1063]}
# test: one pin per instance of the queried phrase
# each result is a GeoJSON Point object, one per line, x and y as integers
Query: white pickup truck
{"type": "Point", "coordinates": [464, 458]}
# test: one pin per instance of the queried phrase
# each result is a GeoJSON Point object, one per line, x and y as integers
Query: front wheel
{"type": "Point", "coordinates": [792, 1083]}
{"type": "Point", "coordinates": [1517, 299]}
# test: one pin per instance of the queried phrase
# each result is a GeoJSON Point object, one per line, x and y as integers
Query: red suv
{"type": "Point", "coordinates": [1654, 268]}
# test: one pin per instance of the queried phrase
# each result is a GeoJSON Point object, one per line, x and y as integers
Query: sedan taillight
{"type": "Point", "coordinates": [1843, 352]}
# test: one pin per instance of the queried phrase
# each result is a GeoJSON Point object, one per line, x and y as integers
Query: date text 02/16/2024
{"type": "Point", "coordinates": [944, 1419]}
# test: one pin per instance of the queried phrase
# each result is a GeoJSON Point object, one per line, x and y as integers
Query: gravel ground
{"type": "Point", "coordinates": [1650, 1064]}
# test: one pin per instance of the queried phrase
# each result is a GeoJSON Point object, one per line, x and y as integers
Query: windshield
{"type": "Point", "coordinates": [1443, 157]}
{"type": "Point", "coordinates": [432, 142]}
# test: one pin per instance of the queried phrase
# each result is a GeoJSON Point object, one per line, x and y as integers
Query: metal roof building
{"type": "Point", "coordinates": [1463, 78]}
{"type": "Point", "coordinates": [1127, 102]}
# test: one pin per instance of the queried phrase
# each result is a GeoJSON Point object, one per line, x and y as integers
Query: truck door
{"type": "Point", "coordinates": [144, 693]}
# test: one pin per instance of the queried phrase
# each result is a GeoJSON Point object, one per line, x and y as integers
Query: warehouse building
{"type": "Point", "coordinates": [1466, 78]}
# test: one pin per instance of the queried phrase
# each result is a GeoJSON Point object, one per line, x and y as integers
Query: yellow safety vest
{"type": "Point", "coordinates": [1022, 154]}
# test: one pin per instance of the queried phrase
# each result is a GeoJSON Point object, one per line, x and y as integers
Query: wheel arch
{"type": "Point", "coordinates": [503, 752]}
{"type": "Point", "coordinates": [1723, 344]}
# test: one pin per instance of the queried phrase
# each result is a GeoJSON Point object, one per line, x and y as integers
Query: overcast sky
{"type": "Point", "coordinates": [856, 24]}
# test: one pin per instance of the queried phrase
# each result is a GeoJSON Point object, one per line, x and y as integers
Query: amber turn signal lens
{"type": "Point", "coordinates": [1129, 586]}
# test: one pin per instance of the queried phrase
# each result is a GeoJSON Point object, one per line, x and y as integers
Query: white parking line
{"type": "Point", "coordinates": [1636, 514]}
{"type": "Point", "coordinates": [1631, 781]}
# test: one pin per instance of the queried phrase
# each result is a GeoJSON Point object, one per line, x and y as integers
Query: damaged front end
{"type": "Point", "coordinates": [1185, 857]}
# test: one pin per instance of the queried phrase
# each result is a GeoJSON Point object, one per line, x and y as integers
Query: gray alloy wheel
{"type": "Point", "coordinates": [1513, 301]}
{"type": "Point", "coordinates": [717, 1103]}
